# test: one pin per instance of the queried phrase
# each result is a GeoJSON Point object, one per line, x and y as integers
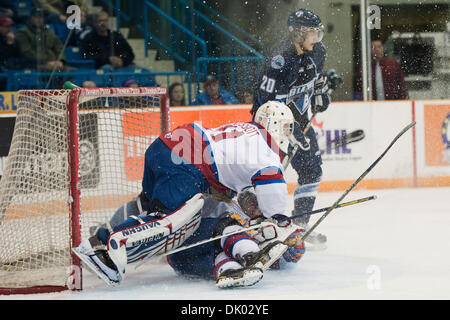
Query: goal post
{"type": "Point", "coordinates": [76, 156]}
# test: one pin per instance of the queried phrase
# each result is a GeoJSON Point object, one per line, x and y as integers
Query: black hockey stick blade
{"type": "Point", "coordinates": [362, 176]}
{"type": "Point", "coordinates": [355, 136]}
{"type": "Point", "coordinates": [350, 137]}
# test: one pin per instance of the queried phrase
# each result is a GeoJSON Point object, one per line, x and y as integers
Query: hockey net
{"type": "Point", "coordinates": [76, 156]}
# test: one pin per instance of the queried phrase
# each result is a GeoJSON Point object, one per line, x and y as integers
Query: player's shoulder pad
{"type": "Point", "coordinates": [277, 57]}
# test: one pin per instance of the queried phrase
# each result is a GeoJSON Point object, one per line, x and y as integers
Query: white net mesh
{"type": "Point", "coordinates": [115, 129]}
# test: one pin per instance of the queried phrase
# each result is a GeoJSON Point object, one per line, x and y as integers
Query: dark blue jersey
{"type": "Point", "coordinates": [290, 78]}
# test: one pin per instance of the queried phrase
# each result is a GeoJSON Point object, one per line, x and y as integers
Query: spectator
{"type": "Point", "coordinates": [56, 10]}
{"type": "Point", "coordinates": [388, 79]}
{"type": "Point", "coordinates": [131, 83]}
{"type": "Point", "coordinates": [80, 32]}
{"type": "Point", "coordinates": [9, 50]}
{"type": "Point", "coordinates": [176, 95]}
{"type": "Point", "coordinates": [245, 96]}
{"type": "Point", "coordinates": [214, 95]}
{"type": "Point", "coordinates": [89, 84]}
{"type": "Point", "coordinates": [7, 9]}
{"type": "Point", "coordinates": [108, 48]}
{"type": "Point", "coordinates": [40, 45]}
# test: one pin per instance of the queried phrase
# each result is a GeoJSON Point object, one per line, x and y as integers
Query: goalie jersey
{"type": "Point", "coordinates": [233, 157]}
{"type": "Point", "coordinates": [290, 78]}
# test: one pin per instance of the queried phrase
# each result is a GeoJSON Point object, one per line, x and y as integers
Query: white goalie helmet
{"type": "Point", "coordinates": [278, 120]}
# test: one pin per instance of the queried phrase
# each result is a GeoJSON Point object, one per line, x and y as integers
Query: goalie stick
{"type": "Point", "coordinates": [256, 226]}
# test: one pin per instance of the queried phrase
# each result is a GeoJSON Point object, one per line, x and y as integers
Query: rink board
{"type": "Point", "coordinates": [407, 164]}
{"type": "Point", "coordinates": [420, 158]}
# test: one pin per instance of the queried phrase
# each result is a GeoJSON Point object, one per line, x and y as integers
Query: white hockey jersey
{"type": "Point", "coordinates": [233, 157]}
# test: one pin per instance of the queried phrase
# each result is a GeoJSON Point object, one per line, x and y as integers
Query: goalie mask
{"type": "Point", "coordinates": [278, 120]}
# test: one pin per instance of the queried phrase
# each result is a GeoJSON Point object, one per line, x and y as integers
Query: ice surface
{"type": "Point", "coordinates": [394, 247]}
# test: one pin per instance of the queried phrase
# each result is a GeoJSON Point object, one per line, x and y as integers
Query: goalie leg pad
{"type": "Point", "coordinates": [152, 235]}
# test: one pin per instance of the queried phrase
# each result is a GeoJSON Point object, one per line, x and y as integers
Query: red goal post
{"type": "Point", "coordinates": [76, 156]}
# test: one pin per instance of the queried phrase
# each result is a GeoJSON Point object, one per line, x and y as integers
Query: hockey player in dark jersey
{"type": "Point", "coordinates": [293, 75]}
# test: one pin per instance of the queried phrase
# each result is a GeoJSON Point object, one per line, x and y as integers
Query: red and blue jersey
{"type": "Point", "coordinates": [233, 157]}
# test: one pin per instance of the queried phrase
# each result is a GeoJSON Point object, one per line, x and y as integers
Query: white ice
{"type": "Point", "coordinates": [394, 247]}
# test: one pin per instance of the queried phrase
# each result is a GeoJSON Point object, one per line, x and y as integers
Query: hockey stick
{"type": "Point", "coordinates": [310, 230]}
{"type": "Point", "coordinates": [351, 137]}
{"type": "Point", "coordinates": [256, 226]}
{"type": "Point", "coordinates": [362, 176]}
{"type": "Point", "coordinates": [345, 204]}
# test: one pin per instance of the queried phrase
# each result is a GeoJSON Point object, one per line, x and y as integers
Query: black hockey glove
{"type": "Point", "coordinates": [299, 138]}
{"type": "Point", "coordinates": [321, 97]}
{"type": "Point", "coordinates": [334, 80]}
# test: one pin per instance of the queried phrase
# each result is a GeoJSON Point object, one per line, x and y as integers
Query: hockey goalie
{"type": "Point", "coordinates": [181, 166]}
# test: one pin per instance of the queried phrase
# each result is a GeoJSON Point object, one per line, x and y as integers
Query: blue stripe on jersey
{"type": "Point", "coordinates": [261, 178]}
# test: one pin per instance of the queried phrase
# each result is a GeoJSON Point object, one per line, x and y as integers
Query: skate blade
{"type": "Point", "coordinates": [94, 268]}
{"type": "Point", "coordinates": [250, 278]}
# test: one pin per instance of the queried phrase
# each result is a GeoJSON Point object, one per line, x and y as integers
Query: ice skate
{"type": "Point", "coordinates": [94, 254]}
{"type": "Point", "coordinates": [243, 277]}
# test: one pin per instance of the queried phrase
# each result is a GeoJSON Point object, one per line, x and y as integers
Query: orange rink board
{"type": "Point", "coordinates": [209, 116]}
{"type": "Point", "coordinates": [213, 116]}
{"type": "Point", "coordinates": [436, 124]}
{"type": "Point", "coordinates": [433, 123]}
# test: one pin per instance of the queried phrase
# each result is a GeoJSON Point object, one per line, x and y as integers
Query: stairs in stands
{"type": "Point", "coordinates": [150, 62]}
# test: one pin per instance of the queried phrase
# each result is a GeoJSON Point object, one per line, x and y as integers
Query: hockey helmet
{"type": "Point", "coordinates": [278, 120]}
{"type": "Point", "coordinates": [304, 22]}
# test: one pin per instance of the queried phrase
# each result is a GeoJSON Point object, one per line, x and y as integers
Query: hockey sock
{"type": "Point", "coordinates": [303, 204]}
{"type": "Point", "coordinates": [223, 263]}
{"type": "Point", "coordinates": [238, 244]}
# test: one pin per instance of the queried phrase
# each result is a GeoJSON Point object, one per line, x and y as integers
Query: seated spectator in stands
{"type": "Point", "coordinates": [176, 95]}
{"type": "Point", "coordinates": [80, 32]}
{"type": "Point", "coordinates": [388, 79]}
{"type": "Point", "coordinates": [89, 84]}
{"type": "Point", "coordinates": [245, 96]}
{"type": "Point", "coordinates": [56, 10]}
{"type": "Point", "coordinates": [108, 48]}
{"type": "Point", "coordinates": [7, 9]}
{"type": "Point", "coordinates": [131, 83]}
{"type": "Point", "coordinates": [9, 50]}
{"type": "Point", "coordinates": [40, 45]}
{"type": "Point", "coordinates": [214, 95]}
